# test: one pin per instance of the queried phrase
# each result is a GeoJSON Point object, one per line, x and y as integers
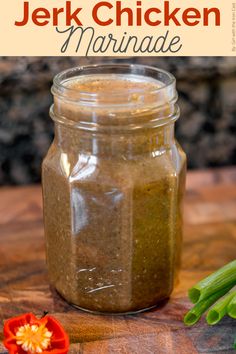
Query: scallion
{"type": "Point", "coordinates": [219, 310]}
{"type": "Point", "coordinates": [214, 283]}
{"type": "Point", "coordinates": [198, 310]}
{"type": "Point", "coordinates": [231, 309]}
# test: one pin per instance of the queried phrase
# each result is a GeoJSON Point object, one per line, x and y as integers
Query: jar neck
{"type": "Point", "coordinates": [114, 98]}
{"type": "Point", "coordinates": [116, 110]}
{"type": "Point", "coordinates": [122, 146]}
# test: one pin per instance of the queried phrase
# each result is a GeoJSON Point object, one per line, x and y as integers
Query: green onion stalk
{"type": "Point", "coordinates": [220, 309]}
{"type": "Point", "coordinates": [231, 309]}
{"type": "Point", "coordinates": [214, 283]}
{"type": "Point", "coordinates": [202, 306]}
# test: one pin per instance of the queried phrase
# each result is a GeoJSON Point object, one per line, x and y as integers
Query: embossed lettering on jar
{"type": "Point", "coordinates": [113, 183]}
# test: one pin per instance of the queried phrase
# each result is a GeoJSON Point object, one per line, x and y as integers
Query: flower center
{"type": "Point", "coordinates": [33, 338]}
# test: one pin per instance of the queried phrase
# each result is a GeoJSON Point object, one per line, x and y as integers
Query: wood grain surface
{"type": "Point", "coordinates": [209, 242]}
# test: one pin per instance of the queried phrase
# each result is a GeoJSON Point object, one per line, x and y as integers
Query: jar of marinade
{"type": "Point", "coordinates": [113, 183]}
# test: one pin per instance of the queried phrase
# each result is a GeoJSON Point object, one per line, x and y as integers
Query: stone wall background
{"type": "Point", "coordinates": [206, 130]}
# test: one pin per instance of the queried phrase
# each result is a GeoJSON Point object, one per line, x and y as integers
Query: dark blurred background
{"type": "Point", "coordinates": [206, 130]}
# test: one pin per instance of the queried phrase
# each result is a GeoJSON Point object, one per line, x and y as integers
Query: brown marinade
{"type": "Point", "coordinates": [113, 208]}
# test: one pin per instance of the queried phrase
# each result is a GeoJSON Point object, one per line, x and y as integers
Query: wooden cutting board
{"type": "Point", "coordinates": [209, 242]}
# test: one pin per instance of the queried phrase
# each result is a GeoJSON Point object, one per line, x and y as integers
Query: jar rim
{"type": "Point", "coordinates": [62, 90]}
{"type": "Point", "coordinates": [111, 109]}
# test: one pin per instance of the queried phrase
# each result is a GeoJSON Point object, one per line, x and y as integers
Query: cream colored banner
{"type": "Point", "coordinates": [120, 28]}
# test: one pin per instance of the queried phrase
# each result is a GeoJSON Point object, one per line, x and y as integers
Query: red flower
{"type": "Point", "coordinates": [28, 334]}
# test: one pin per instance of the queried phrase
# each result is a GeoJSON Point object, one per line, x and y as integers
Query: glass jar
{"type": "Point", "coordinates": [113, 183]}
